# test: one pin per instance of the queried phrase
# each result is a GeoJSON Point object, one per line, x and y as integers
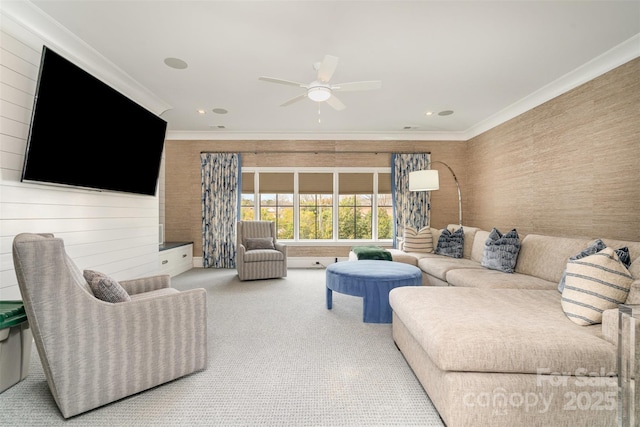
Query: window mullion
{"type": "Point", "coordinates": [296, 208]}
{"type": "Point", "coordinates": [336, 205]}
{"type": "Point", "coordinates": [374, 208]}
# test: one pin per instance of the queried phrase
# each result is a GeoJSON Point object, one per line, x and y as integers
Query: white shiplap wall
{"type": "Point", "coordinates": [115, 233]}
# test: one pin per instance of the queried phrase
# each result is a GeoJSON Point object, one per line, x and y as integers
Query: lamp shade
{"type": "Point", "coordinates": [425, 180]}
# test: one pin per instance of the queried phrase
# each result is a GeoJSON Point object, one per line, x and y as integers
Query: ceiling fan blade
{"type": "Point", "coordinates": [335, 103]}
{"type": "Point", "coordinates": [294, 99]}
{"type": "Point", "coordinates": [327, 68]}
{"type": "Point", "coordinates": [369, 85]}
{"type": "Point", "coordinates": [280, 81]}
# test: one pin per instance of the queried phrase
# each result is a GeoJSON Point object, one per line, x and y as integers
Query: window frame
{"type": "Point", "coordinates": [336, 197]}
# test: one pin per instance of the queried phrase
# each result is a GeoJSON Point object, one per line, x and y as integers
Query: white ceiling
{"type": "Point", "coordinates": [480, 59]}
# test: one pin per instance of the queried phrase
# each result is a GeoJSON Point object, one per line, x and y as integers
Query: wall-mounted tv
{"type": "Point", "coordinates": [86, 134]}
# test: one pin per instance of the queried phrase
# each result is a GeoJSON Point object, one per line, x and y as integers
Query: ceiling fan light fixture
{"type": "Point", "coordinates": [319, 93]}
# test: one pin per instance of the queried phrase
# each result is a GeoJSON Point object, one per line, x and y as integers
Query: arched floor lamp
{"type": "Point", "coordinates": [428, 180]}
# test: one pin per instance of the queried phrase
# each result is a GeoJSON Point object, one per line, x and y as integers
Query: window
{"type": "Point", "coordinates": [307, 206]}
{"type": "Point", "coordinates": [315, 191]}
{"type": "Point", "coordinates": [248, 198]}
{"type": "Point", "coordinates": [355, 205]}
{"type": "Point", "coordinates": [385, 207]}
{"type": "Point", "coordinates": [276, 201]}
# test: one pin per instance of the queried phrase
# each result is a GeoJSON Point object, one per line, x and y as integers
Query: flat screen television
{"type": "Point", "coordinates": [84, 133]}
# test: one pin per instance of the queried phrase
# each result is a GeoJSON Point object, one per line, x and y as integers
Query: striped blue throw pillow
{"type": "Point", "coordinates": [593, 284]}
{"type": "Point", "coordinates": [597, 246]}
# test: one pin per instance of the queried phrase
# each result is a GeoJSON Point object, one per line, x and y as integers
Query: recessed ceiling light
{"type": "Point", "coordinates": [220, 111]}
{"type": "Point", "coordinates": [176, 63]}
{"type": "Point", "coordinates": [202, 112]}
{"type": "Point", "coordinates": [429, 113]}
{"type": "Point", "coordinates": [445, 113]}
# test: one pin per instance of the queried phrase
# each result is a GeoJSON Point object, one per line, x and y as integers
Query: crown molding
{"type": "Point", "coordinates": [33, 27]}
{"type": "Point", "coordinates": [305, 136]}
{"type": "Point", "coordinates": [619, 55]}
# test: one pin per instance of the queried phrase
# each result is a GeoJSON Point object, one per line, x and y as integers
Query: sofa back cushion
{"type": "Point", "coordinates": [634, 293]}
{"type": "Point", "coordinates": [477, 249]}
{"type": "Point", "coordinates": [546, 256]}
{"type": "Point", "coordinates": [634, 247]}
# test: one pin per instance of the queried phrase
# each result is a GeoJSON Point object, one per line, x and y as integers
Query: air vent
{"type": "Point", "coordinates": [217, 126]}
{"type": "Point", "coordinates": [410, 127]}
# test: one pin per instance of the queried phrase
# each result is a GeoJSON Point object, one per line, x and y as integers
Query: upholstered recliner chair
{"type": "Point", "coordinates": [259, 255]}
{"type": "Point", "coordinates": [95, 352]}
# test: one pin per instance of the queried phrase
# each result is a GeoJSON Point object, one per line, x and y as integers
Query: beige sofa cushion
{"type": "Point", "coordinates": [500, 330]}
{"type": "Point", "coordinates": [634, 247]}
{"type": "Point", "coordinates": [477, 249]}
{"type": "Point", "coordinates": [634, 268]}
{"type": "Point", "coordinates": [610, 325]}
{"type": "Point", "coordinates": [438, 265]}
{"type": "Point", "coordinates": [405, 257]}
{"type": "Point", "coordinates": [634, 293]}
{"type": "Point", "coordinates": [492, 279]}
{"type": "Point", "coordinates": [546, 256]}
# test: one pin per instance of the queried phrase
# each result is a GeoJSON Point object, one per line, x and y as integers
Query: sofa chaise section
{"type": "Point", "coordinates": [503, 357]}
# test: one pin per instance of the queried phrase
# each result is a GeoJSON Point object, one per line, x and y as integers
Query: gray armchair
{"type": "Point", "coordinates": [95, 352]}
{"type": "Point", "coordinates": [259, 255]}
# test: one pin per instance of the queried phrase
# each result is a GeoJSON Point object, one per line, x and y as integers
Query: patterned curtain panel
{"type": "Point", "coordinates": [220, 193]}
{"type": "Point", "coordinates": [410, 208]}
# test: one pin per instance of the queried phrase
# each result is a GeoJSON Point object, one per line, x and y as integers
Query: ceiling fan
{"type": "Point", "coordinates": [320, 90]}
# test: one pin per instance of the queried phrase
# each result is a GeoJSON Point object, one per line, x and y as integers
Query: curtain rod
{"type": "Point", "coordinates": [314, 152]}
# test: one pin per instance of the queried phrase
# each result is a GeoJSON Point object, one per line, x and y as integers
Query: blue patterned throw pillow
{"type": "Point", "coordinates": [501, 251]}
{"type": "Point", "coordinates": [451, 244]}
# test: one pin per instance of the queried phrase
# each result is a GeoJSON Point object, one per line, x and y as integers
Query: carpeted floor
{"type": "Point", "coordinates": [277, 357]}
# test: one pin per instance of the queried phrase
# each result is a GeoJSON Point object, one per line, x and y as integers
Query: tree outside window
{"type": "Point", "coordinates": [316, 216]}
{"type": "Point", "coordinates": [247, 198]}
{"type": "Point", "coordinates": [279, 209]}
{"type": "Point", "coordinates": [385, 207]}
{"type": "Point", "coordinates": [316, 206]}
{"type": "Point", "coordinates": [276, 202]}
{"type": "Point", "coordinates": [354, 216]}
{"type": "Point", "coordinates": [385, 217]}
{"type": "Point", "coordinates": [355, 205]}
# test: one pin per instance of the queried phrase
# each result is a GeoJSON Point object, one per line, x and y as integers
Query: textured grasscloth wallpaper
{"type": "Point", "coordinates": [569, 167]}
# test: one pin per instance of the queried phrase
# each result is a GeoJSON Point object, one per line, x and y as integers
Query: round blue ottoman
{"type": "Point", "coordinates": [372, 280]}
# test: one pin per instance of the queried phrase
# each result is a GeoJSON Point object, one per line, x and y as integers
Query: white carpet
{"type": "Point", "coordinates": [277, 357]}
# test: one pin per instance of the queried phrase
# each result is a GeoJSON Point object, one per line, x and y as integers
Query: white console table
{"type": "Point", "coordinates": [175, 257]}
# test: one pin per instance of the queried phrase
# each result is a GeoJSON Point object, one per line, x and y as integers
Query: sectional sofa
{"type": "Point", "coordinates": [493, 348]}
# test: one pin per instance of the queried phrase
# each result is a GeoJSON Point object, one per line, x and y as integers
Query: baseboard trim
{"type": "Point", "coordinates": [295, 262]}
